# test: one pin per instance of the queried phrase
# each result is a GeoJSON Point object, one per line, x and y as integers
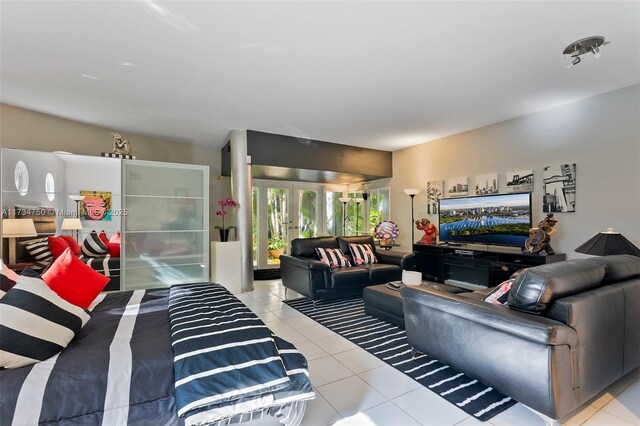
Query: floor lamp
{"type": "Point", "coordinates": [412, 192]}
{"type": "Point", "coordinates": [344, 201]}
{"type": "Point", "coordinates": [358, 202]}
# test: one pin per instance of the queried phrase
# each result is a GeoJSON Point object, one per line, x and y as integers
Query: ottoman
{"type": "Point", "coordinates": [386, 304]}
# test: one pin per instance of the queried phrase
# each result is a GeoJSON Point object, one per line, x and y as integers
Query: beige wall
{"type": "Point", "coordinates": [25, 129]}
{"type": "Point", "coordinates": [601, 134]}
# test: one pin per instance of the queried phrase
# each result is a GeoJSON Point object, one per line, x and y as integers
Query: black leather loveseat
{"type": "Point", "coordinates": [570, 330]}
{"type": "Point", "coordinates": [302, 272]}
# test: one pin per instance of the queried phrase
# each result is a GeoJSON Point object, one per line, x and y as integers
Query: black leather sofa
{"type": "Point", "coordinates": [302, 272]}
{"type": "Point", "coordinates": [570, 330]}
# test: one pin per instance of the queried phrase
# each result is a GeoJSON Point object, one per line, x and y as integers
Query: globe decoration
{"type": "Point", "coordinates": [387, 232]}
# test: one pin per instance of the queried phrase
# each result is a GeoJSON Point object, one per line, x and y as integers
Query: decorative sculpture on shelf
{"type": "Point", "coordinates": [430, 231]}
{"type": "Point", "coordinates": [387, 232]}
{"type": "Point", "coordinates": [121, 146]}
{"type": "Point", "coordinates": [540, 236]}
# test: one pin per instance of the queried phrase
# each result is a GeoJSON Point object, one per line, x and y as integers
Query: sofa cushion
{"type": "Point", "coordinates": [362, 254]}
{"type": "Point", "coordinates": [380, 273]}
{"type": "Point", "coordinates": [349, 277]}
{"type": "Point", "coordinates": [536, 288]}
{"type": "Point", "coordinates": [619, 267]}
{"type": "Point", "coordinates": [361, 239]}
{"type": "Point", "coordinates": [306, 247]}
{"type": "Point", "coordinates": [335, 258]}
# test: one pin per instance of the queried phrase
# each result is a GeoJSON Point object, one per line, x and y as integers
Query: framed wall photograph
{"type": "Point", "coordinates": [435, 191]}
{"type": "Point", "coordinates": [559, 188]}
{"type": "Point", "coordinates": [457, 187]}
{"type": "Point", "coordinates": [487, 184]}
{"type": "Point", "coordinates": [520, 181]}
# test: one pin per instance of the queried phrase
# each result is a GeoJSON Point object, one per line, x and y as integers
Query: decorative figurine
{"type": "Point", "coordinates": [540, 236]}
{"type": "Point", "coordinates": [121, 146]}
{"type": "Point", "coordinates": [430, 231]}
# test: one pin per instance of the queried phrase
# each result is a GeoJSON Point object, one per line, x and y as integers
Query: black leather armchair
{"type": "Point", "coordinates": [570, 330]}
{"type": "Point", "coordinates": [302, 272]}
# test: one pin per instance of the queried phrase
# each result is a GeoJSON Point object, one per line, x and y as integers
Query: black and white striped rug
{"type": "Point", "coordinates": [389, 343]}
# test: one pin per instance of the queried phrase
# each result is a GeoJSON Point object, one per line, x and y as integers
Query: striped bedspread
{"type": "Point", "coordinates": [227, 362]}
{"type": "Point", "coordinates": [118, 370]}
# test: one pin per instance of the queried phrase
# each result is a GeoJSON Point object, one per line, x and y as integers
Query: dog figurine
{"type": "Point", "coordinates": [121, 145]}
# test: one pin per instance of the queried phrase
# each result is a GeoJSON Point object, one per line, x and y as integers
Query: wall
{"type": "Point", "coordinates": [25, 129]}
{"type": "Point", "coordinates": [601, 134]}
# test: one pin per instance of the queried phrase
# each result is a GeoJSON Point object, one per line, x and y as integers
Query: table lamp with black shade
{"type": "Point", "coordinates": [607, 243]}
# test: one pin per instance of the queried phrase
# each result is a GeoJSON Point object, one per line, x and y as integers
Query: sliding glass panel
{"type": "Point", "coordinates": [178, 180]}
{"type": "Point", "coordinates": [166, 226]}
{"type": "Point", "coordinates": [159, 214]}
{"type": "Point", "coordinates": [378, 207]}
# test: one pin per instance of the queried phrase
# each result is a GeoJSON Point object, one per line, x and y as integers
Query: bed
{"type": "Point", "coordinates": [189, 354]}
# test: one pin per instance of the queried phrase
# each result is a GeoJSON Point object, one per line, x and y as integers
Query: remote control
{"type": "Point", "coordinates": [393, 286]}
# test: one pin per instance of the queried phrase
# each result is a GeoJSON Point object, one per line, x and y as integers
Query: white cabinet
{"type": "Point", "coordinates": [165, 231]}
{"type": "Point", "coordinates": [226, 265]}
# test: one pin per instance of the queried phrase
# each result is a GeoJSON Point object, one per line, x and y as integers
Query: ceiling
{"type": "Point", "coordinates": [383, 75]}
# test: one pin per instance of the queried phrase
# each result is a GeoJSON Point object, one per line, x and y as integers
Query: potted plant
{"type": "Point", "coordinates": [276, 247]}
{"type": "Point", "coordinates": [224, 231]}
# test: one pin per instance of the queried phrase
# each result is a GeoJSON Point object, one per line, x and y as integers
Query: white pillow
{"type": "Point", "coordinates": [36, 323]}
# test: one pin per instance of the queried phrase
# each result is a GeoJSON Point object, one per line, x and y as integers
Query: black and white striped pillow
{"type": "Point", "coordinates": [93, 246]}
{"type": "Point", "coordinates": [8, 279]}
{"type": "Point", "coordinates": [40, 251]}
{"type": "Point", "coordinates": [362, 254]}
{"type": "Point", "coordinates": [333, 257]}
{"type": "Point", "coordinates": [36, 323]}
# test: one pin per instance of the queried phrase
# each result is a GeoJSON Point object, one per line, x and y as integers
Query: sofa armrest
{"type": "Point", "coordinates": [303, 263]}
{"type": "Point", "coordinates": [403, 260]}
{"type": "Point", "coordinates": [531, 327]}
{"type": "Point", "coordinates": [304, 276]}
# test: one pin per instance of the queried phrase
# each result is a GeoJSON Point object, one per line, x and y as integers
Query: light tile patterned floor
{"type": "Point", "coordinates": [355, 388]}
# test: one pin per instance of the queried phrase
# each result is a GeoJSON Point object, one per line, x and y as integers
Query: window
{"type": "Point", "coordinates": [21, 178]}
{"type": "Point", "coordinates": [50, 187]}
{"type": "Point", "coordinates": [333, 213]}
{"type": "Point", "coordinates": [378, 207]}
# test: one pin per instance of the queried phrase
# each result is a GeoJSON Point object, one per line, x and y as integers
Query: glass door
{"type": "Point", "coordinates": [283, 211]}
{"type": "Point", "coordinates": [278, 221]}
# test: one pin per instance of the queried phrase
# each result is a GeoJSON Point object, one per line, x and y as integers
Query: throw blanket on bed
{"type": "Point", "coordinates": [226, 361]}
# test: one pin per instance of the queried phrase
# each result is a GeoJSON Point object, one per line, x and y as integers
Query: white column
{"type": "Point", "coordinates": [241, 189]}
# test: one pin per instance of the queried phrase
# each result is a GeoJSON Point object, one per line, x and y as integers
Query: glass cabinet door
{"type": "Point", "coordinates": [165, 224]}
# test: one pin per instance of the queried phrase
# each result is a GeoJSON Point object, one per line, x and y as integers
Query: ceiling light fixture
{"type": "Point", "coordinates": [575, 50]}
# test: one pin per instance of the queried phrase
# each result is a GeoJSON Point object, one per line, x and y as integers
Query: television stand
{"type": "Point", "coordinates": [477, 267]}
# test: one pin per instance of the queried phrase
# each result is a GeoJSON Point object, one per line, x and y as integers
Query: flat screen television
{"type": "Point", "coordinates": [502, 219]}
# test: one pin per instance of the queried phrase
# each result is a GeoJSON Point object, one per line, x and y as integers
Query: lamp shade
{"type": "Point", "coordinates": [14, 228]}
{"type": "Point", "coordinates": [72, 223]}
{"type": "Point", "coordinates": [412, 191]}
{"type": "Point", "coordinates": [608, 243]}
{"type": "Point", "coordinates": [344, 199]}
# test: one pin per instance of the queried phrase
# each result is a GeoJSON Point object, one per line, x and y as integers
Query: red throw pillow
{"type": "Point", "coordinates": [73, 245]}
{"type": "Point", "coordinates": [57, 246]}
{"type": "Point", "coordinates": [113, 246]}
{"type": "Point", "coordinates": [74, 281]}
{"type": "Point", "coordinates": [103, 236]}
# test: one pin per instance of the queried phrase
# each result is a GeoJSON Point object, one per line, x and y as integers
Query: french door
{"type": "Point", "coordinates": [283, 211]}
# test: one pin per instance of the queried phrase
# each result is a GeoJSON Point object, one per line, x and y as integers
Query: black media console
{"type": "Point", "coordinates": [474, 268]}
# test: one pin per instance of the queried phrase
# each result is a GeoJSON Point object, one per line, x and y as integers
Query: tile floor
{"type": "Point", "coordinates": [355, 388]}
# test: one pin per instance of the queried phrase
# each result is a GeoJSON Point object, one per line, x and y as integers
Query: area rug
{"type": "Point", "coordinates": [389, 343]}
